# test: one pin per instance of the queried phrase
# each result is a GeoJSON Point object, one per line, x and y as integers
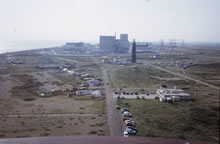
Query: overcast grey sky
{"type": "Point", "coordinates": [85, 20]}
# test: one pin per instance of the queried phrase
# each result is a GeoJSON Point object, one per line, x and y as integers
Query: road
{"type": "Point", "coordinates": [186, 77]}
{"type": "Point", "coordinates": [114, 121]}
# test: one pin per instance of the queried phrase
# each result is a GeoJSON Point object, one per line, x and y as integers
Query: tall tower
{"type": "Point", "coordinates": [133, 52]}
{"type": "Point", "coordinates": [161, 44]}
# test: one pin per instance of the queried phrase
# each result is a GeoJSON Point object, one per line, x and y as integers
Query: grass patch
{"type": "Point", "coordinates": [179, 120]}
{"type": "Point", "coordinates": [99, 105]}
{"type": "Point", "coordinates": [137, 76]}
{"type": "Point", "coordinates": [83, 98]}
{"type": "Point", "coordinates": [28, 91]}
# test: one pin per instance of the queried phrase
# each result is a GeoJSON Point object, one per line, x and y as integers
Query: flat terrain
{"type": "Point", "coordinates": [142, 76]}
{"type": "Point", "coordinates": [194, 120]}
{"type": "Point", "coordinates": [24, 113]}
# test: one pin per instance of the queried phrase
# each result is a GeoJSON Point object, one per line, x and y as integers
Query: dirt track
{"type": "Point", "coordinates": [114, 121]}
{"type": "Point", "coordinates": [186, 77]}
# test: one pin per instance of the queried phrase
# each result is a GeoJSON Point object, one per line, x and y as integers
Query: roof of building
{"type": "Point", "coordinates": [173, 92]}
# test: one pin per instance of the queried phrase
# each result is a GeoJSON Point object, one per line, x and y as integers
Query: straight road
{"type": "Point", "coordinates": [114, 121]}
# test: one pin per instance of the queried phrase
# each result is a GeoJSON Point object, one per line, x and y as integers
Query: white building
{"type": "Point", "coordinates": [96, 93]}
{"type": "Point", "coordinates": [172, 95]}
{"type": "Point", "coordinates": [93, 82]}
{"type": "Point", "coordinates": [120, 61]}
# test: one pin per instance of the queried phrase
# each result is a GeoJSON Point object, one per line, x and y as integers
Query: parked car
{"type": "Point", "coordinates": [130, 131]}
{"type": "Point", "coordinates": [126, 118]}
{"type": "Point", "coordinates": [127, 115]}
{"type": "Point", "coordinates": [126, 134]}
{"type": "Point", "coordinates": [126, 112]}
{"type": "Point", "coordinates": [132, 127]}
{"type": "Point", "coordinates": [124, 109]}
{"type": "Point", "coordinates": [129, 121]}
{"type": "Point", "coordinates": [130, 124]}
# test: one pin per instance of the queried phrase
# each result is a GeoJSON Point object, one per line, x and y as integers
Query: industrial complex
{"type": "Point", "coordinates": [111, 44]}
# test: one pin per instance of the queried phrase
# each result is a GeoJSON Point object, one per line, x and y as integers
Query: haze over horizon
{"type": "Point", "coordinates": [86, 20]}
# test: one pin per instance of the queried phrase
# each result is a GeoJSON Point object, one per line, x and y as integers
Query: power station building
{"type": "Point", "coordinates": [111, 44]}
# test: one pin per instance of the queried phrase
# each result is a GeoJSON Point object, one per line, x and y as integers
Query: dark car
{"type": "Point", "coordinates": [130, 131]}
{"type": "Point", "coordinates": [132, 127]}
{"type": "Point", "coordinates": [124, 109]}
{"type": "Point", "coordinates": [130, 124]}
{"type": "Point", "coordinates": [127, 114]}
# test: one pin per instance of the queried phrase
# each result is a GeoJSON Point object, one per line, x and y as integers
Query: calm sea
{"type": "Point", "coordinates": [11, 46]}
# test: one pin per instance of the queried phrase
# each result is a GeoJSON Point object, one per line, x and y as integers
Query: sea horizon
{"type": "Point", "coordinates": [20, 45]}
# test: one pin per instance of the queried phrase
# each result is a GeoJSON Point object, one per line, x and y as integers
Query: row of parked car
{"type": "Point", "coordinates": [138, 97]}
{"type": "Point", "coordinates": [130, 124]}
{"type": "Point", "coordinates": [127, 93]}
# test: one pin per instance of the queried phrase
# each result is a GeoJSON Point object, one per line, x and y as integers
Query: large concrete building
{"type": "Point", "coordinates": [111, 44]}
{"type": "Point", "coordinates": [107, 43]}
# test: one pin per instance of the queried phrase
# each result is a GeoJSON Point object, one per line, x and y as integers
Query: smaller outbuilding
{"type": "Point", "coordinates": [96, 93]}
{"type": "Point", "coordinates": [93, 82]}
